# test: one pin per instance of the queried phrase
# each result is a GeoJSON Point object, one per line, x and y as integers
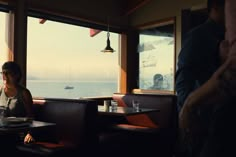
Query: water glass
{"type": "Point", "coordinates": [135, 104]}
{"type": "Point", "coordinates": [114, 105]}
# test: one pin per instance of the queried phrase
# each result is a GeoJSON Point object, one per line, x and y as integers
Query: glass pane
{"type": "Point", "coordinates": [64, 61]}
{"type": "Point", "coordinates": [3, 37]}
{"type": "Point", "coordinates": [156, 58]}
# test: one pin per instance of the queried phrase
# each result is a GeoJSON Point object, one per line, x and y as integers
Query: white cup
{"type": "Point", "coordinates": [106, 104]}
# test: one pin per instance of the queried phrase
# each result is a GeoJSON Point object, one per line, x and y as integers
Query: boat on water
{"type": "Point", "coordinates": [69, 87]}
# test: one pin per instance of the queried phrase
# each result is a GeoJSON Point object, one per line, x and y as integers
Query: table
{"type": "Point", "coordinates": [11, 137]}
{"type": "Point", "coordinates": [33, 126]}
{"type": "Point", "coordinates": [110, 121]}
{"type": "Point", "coordinates": [124, 111]}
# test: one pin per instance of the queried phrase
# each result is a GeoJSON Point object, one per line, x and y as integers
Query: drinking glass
{"type": "Point", "coordinates": [135, 104]}
{"type": "Point", "coordinates": [114, 105]}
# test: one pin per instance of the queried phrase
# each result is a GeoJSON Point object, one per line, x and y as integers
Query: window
{"type": "Point", "coordinates": [5, 35]}
{"type": "Point", "coordinates": [64, 61]}
{"type": "Point", "coordinates": [4, 38]}
{"type": "Point", "coordinates": [157, 58]}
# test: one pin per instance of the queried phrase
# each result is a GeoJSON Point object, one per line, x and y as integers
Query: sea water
{"type": "Point", "coordinates": [56, 89]}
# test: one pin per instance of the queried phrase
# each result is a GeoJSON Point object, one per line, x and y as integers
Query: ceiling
{"type": "Point", "coordinates": [118, 11]}
{"type": "Point", "coordinates": [132, 5]}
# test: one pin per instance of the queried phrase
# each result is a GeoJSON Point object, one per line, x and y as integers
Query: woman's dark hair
{"type": "Point", "coordinates": [14, 68]}
{"type": "Point", "coordinates": [212, 3]}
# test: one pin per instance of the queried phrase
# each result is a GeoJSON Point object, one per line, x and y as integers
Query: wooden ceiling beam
{"type": "Point", "coordinates": [134, 5]}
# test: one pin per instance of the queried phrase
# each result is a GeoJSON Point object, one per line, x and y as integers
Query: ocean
{"type": "Point", "coordinates": [56, 89]}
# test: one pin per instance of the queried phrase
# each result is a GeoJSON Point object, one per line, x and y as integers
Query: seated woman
{"type": "Point", "coordinates": [15, 98]}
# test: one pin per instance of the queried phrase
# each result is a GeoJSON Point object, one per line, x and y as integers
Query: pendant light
{"type": "Point", "coordinates": [108, 48]}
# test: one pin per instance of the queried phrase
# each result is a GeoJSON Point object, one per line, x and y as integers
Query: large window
{"type": "Point", "coordinates": [4, 37]}
{"type": "Point", "coordinates": [157, 58]}
{"type": "Point", "coordinates": [64, 61]}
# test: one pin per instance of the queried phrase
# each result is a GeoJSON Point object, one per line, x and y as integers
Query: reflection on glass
{"type": "Point", "coordinates": [156, 58]}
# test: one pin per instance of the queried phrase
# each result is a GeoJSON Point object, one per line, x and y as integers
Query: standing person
{"type": "Point", "coordinates": [199, 56]}
{"type": "Point", "coordinates": [219, 94]}
{"type": "Point", "coordinates": [15, 98]}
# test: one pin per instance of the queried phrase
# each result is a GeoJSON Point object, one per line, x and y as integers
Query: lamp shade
{"type": "Point", "coordinates": [108, 48]}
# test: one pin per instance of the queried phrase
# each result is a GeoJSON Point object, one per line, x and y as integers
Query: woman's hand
{"type": "Point", "coordinates": [29, 138]}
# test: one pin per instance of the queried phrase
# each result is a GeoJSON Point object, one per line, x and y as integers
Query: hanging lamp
{"type": "Point", "coordinates": [108, 48]}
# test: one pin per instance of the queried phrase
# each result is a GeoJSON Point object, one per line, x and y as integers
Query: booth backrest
{"type": "Point", "coordinates": [75, 120]}
{"type": "Point", "coordinates": [166, 118]}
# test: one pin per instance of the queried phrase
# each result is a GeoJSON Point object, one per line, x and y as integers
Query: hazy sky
{"type": "Point", "coordinates": [57, 50]}
{"type": "Point", "coordinates": [3, 46]}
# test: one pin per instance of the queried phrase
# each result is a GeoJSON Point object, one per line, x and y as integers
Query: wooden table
{"type": "Point", "coordinates": [124, 111]}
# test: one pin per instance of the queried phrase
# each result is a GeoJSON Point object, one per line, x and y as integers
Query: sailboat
{"type": "Point", "coordinates": [69, 87]}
